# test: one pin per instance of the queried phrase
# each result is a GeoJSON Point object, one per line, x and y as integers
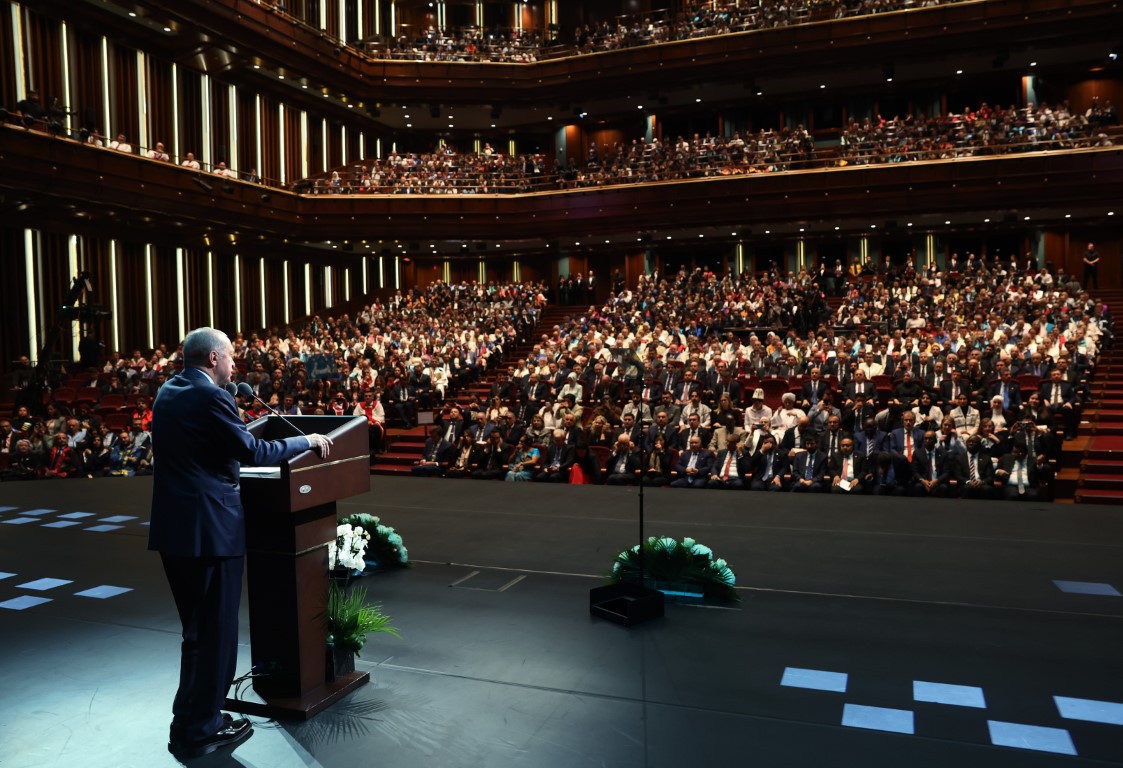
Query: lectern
{"type": "Point", "coordinates": [290, 519]}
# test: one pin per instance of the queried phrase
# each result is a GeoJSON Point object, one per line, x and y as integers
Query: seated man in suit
{"type": "Point", "coordinates": [812, 391]}
{"type": "Point", "coordinates": [464, 454]}
{"type": "Point", "coordinates": [693, 428]}
{"type": "Point", "coordinates": [730, 467]}
{"type": "Point", "coordinates": [1060, 396]}
{"type": "Point", "coordinates": [979, 480]}
{"type": "Point", "coordinates": [622, 466]}
{"type": "Point", "coordinates": [1007, 390]}
{"type": "Point", "coordinates": [905, 439]}
{"type": "Point", "coordinates": [767, 467]}
{"type": "Point", "coordinates": [869, 441]}
{"type": "Point", "coordinates": [436, 457]}
{"type": "Point", "coordinates": [1016, 477]}
{"type": "Point", "coordinates": [808, 469]}
{"type": "Point", "coordinates": [885, 478]}
{"type": "Point", "coordinates": [847, 471]}
{"type": "Point", "coordinates": [557, 460]}
{"type": "Point", "coordinates": [935, 468]}
{"type": "Point", "coordinates": [490, 462]}
{"type": "Point", "coordinates": [859, 386]}
{"type": "Point", "coordinates": [693, 467]}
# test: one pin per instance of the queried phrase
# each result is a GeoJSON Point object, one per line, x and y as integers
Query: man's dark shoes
{"type": "Point", "coordinates": [233, 732]}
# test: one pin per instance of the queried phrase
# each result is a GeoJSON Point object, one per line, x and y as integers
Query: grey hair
{"type": "Point", "coordinates": [199, 344]}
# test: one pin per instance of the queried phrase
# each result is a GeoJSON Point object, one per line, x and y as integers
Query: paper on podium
{"type": "Point", "coordinates": [264, 473]}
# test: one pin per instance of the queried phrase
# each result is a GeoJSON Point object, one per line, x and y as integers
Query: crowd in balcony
{"type": "Point", "coordinates": [976, 132]}
{"type": "Point", "coordinates": [440, 44]}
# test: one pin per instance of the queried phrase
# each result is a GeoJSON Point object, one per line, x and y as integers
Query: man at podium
{"type": "Point", "coordinates": [198, 527]}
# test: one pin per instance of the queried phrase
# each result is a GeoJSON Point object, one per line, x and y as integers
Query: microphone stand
{"type": "Point", "coordinates": [245, 390]}
{"type": "Point", "coordinates": [624, 602]}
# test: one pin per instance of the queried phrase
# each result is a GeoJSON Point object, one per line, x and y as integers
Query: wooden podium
{"type": "Point", "coordinates": [290, 519]}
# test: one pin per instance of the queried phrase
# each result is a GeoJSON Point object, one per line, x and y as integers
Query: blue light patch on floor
{"type": "Point", "coordinates": [21, 520]}
{"type": "Point", "coordinates": [26, 601]}
{"type": "Point", "coordinates": [44, 584]}
{"type": "Point", "coordinates": [103, 592]}
{"type": "Point", "coordinates": [61, 524]}
{"type": "Point", "coordinates": [945, 693]}
{"type": "Point", "coordinates": [102, 528]}
{"type": "Point", "coordinates": [117, 519]}
{"type": "Point", "coordinates": [877, 718]}
{"type": "Point", "coordinates": [815, 679]}
{"type": "Point", "coordinates": [1033, 737]}
{"type": "Point", "coordinates": [1109, 712]}
{"type": "Point", "coordinates": [1087, 588]}
{"type": "Point", "coordinates": [6, 575]}
{"type": "Point", "coordinates": [77, 515]}
{"type": "Point", "coordinates": [7, 509]}
{"type": "Point", "coordinates": [39, 511]}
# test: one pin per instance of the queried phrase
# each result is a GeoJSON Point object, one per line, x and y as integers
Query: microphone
{"type": "Point", "coordinates": [245, 390]}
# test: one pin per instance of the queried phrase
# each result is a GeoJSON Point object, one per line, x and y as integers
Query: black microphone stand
{"type": "Point", "coordinates": [625, 602]}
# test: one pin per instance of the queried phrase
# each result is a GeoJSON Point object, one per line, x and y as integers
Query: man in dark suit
{"type": "Point", "coordinates": [935, 468]}
{"type": "Point", "coordinates": [436, 456]}
{"type": "Point", "coordinates": [979, 481]}
{"type": "Point", "coordinates": [490, 462]}
{"type": "Point", "coordinates": [847, 471]}
{"type": "Point", "coordinates": [905, 439]}
{"type": "Point", "coordinates": [731, 468]}
{"type": "Point", "coordinates": [557, 461]}
{"type": "Point", "coordinates": [767, 467]}
{"type": "Point", "coordinates": [401, 399]}
{"type": "Point", "coordinates": [622, 466]}
{"type": "Point", "coordinates": [1060, 396]}
{"type": "Point", "coordinates": [198, 527]}
{"type": "Point", "coordinates": [693, 467]}
{"type": "Point", "coordinates": [808, 469]}
{"type": "Point", "coordinates": [812, 390]}
{"type": "Point", "coordinates": [1016, 477]}
{"type": "Point", "coordinates": [693, 428]}
{"type": "Point", "coordinates": [869, 440]}
{"type": "Point", "coordinates": [1008, 389]}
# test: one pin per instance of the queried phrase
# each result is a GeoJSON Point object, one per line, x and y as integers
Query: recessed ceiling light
{"type": "Point", "coordinates": [257, 66]}
{"type": "Point", "coordinates": [697, 101]}
{"type": "Point", "coordinates": [888, 79]}
{"type": "Point", "coordinates": [760, 93]}
{"type": "Point", "coordinates": [325, 95]}
{"type": "Point", "coordinates": [1033, 63]}
{"type": "Point", "coordinates": [577, 243]}
{"type": "Point", "coordinates": [1068, 215]}
{"type": "Point", "coordinates": [910, 223]}
{"type": "Point", "coordinates": [985, 221]}
{"type": "Point", "coordinates": [801, 229]}
{"type": "Point", "coordinates": [873, 226]}
{"type": "Point", "coordinates": [550, 117]}
{"type": "Point", "coordinates": [280, 77]}
{"type": "Point", "coordinates": [768, 231]}
{"type": "Point", "coordinates": [821, 87]}
{"type": "Point", "coordinates": [836, 229]}
{"type": "Point", "coordinates": [949, 222]}
{"type": "Point", "coordinates": [450, 125]}
{"type": "Point", "coordinates": [1026, 218]}
{"type": "Point", "coordinates": [959, 71]}
{"type": "Point", "coordinates": [733, 234]}
{"type": "Point", "coordinates": [409, 125]}
{"type": "Point", "coordinates": [406, 117]}
{"type": "Point", "coordinates": [668, 237]}
{"type": "Point", "coordinates": [606, 242]}
{"type": "Point", "coordinates": [305, 86]}
{"type": "Point", "coordinates": [1111, 213]}
{"type": "Point", "coordinates": [493, 125]}
{"type": "Point", "coordinates": [701, 235]}
{"type": "Point", "coordinates": [350, 106]}
{"type": "Point", "coordinates": [167, 29]}
{"type": "Point", "coordinates": [132, 15]}
{"type": "Point", "coordinates": [497, 245]}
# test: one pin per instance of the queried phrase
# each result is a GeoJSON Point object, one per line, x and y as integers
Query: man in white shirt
{"type": "Point", "coordinates": [190, 162]}
{"type": "Point", "coordinates": [121, 144]}
{"type": "Point", "coordinates": [159, 153]}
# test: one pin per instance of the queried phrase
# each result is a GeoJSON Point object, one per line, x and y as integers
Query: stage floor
{"type": "Point", "coordinates": [872, 632]}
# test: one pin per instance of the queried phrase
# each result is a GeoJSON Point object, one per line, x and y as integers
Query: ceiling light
{"type": "Point", "coordinates": [305, 86]}
{"type": "Point", "coordinates": [959, 71]}
{"type": "Point", "coordinates": [280, 77]}
{"type": "Point", "coordinates": [1026, 218]}
{"type": "Point", "coordinates": [888, 79]}
{"type": "Point", "coordinates": [640, 106]}
{"type": "Point", "coordinates": [668, 237]}
{"type": "Point", "coordinates": [873, 226]}
{"type": "Point", "coordinates": [550, 118]}
{"type": "Point", "coordinates": [350, 106]}
{"type": "Point", "coordinates": [701, 235]}
{"type": "Point", "coordinates": [985, 221]}
{"type": "Point", "coordinates": [256, 66]}
{"type": "Point", "coordinates": [132, 15]}
{"type": "Point", "coordinates": [760, 93]}
{"type": "Point", "coordinates": [821, 87]}
{"type": "Point", "coordinates": [167, 29]}
{"type": "Point", "coordinates": [606, 242]}
{"type": "Point", "coordinates": [406, 117]}
{"type": "Point", "coordinates": [1111, 213]}
{"type": "Point", "coordinates": [836, 229]}
{"type": "Point", "coordinates": [409, 125]}
{"type": "Point", "coordinates": [801, 229]}
{"type": "Point", "coordinates": [493, 125]}
{"type": "Point", "coordinates": [1033, 63]}
{"type": "Point", "coordinates": [697, 101]}
{"type": "Point", "coordinates": [733, 234]}
{"type": "Point", "coordinates": [910, 223]}
{"type": "Point", "coordinates": [1068, 215]}
{"type": "Point", "coordinates": [768, 231]}
{"type": "Point", "coordinates": [948, 222]}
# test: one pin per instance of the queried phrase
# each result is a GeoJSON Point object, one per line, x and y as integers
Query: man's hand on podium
{"type": "Point", "coordinates": [321, 444]}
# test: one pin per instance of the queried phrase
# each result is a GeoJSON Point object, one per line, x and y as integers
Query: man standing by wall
{"type": "Point", "coordinates": [198, 527]}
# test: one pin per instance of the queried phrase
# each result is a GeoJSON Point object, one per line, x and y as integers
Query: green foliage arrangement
{"type": "Point", "coordinates": [686, 564]}
{"type": "Point", "coordinates": [385, 546]}
{"type": "Point", "coordinates": [350, 618]}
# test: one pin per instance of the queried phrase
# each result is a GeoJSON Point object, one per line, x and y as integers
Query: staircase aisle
{"type": "Point", "coordinates": [405, 446]}
{"type": "Point", "coordinates": [1101, 458]}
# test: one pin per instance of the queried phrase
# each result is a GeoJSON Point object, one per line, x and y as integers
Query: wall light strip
{"type": "Point", "coordinates": [181, 291]}
{"type": "Point", "coordinates": [149, 287]}
{"type": "Point", "coordinates": [32, 311]}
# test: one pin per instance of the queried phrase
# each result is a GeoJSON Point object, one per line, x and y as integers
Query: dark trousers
{"type": "Point", "coordinates": [207, 591]}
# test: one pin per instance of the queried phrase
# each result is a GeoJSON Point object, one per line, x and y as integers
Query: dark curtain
{"type": "Point", "coordinates": [190, 113]}
{"type": "Point", "coordinates": [160, 105]}
{"type": "Point", "coordinates": [220, 122]}
{"type": "Point", "coordinates": [125, 117]}
{"type": "Point", "coordinates": [270, 139]}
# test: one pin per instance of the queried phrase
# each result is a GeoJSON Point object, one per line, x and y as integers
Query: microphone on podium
{"type": "Point", "coordinates": [245, 390]}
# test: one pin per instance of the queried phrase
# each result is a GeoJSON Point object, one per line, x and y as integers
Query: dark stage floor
{"type": "Point", "coordinates": [871, 633]}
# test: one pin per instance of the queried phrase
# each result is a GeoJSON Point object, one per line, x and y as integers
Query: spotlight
{"type": "Point", "coordinates": [198, 181]}
{"type": "Point", "coordinates": [266, 197]}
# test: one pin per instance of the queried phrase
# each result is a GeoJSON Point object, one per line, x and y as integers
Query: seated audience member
{"type": "Point", "coordinates": [585, 470]}
{"type": "Point", "coordinates": [693, 467]}
{"type": "Point", "coordinates": [436, 456]}
{"type": "Point", "coordinates": [622, 467]}
{"type": "Point", "coordinates": [1016, 477]}
{"type": "Point", "coordinates": [657, 463]}
{"type": "Point", "coordinates": [600, 434]}
{"type": "Point", "coordinates": [1060, 396]}
{"type": "Point", "coordinates": [935, 470]}
{"type": "Point", "coordinates": [767, 466]}
{"type": "Point", "coordinates": [523, 462]}
{"type": "Point", "coordinates": [888, 476]}
{"type": "Point", "coordinates": [463, 455]}
{"type": "Point", "coordinates": [557, 460]}
{"type": "Point", "coordinates": [848, 470]}
{"type": "Point", "coordinates": [490, 462]}
{"type": "Point", "coordinates": [731, 467]}
{"type": "Point", "coordinates": [808, 469]}
{"type": "Point", "coordinates": [979, 480]}
{"type": "Point", "coordinates": [24, 464]}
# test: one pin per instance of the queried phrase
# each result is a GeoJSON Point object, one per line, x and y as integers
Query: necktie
{"type": "Point", "coordinates": [1019, 477]}
{"type": "Point", "coordinates": [725, 471]}
{"type": "Point", "coordinates": [972, 463]}
{"type": "Point", "coordinates": [1056, 394]}
{"type": "Point", "coordinates": [693, 461]}
{"type": "Point", "coordinates": [646, 394]}
{"type": "Point", "coordinates": [846, 468]}
{"type": "Point", "coordinates": [767, 468]}
{"type": "Point", "coordinates": [869, 446]}
{"type": "Point", "coordinates": [807, 471]}
{"type": "Point", "coordinates": [908, 446]}
{"type": "Point", "coordinates": [932, 475]}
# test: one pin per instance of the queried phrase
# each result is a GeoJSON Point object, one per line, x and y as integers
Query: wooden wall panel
{"type": "Point", "coordinates": [42, 39]}
{"type": "Point", "coordinates": [7, 62]}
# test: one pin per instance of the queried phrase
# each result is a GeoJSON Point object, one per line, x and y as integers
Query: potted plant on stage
{"type": "Point", "coordinates": [350, 619]}
{"type": "Point", "coordinates": [681, 570]}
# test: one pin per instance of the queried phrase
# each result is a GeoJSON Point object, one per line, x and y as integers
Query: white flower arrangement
{"type": "Point", "coordinates": [386, 547]}
{"type": "Point", "coordinates": [348, 548]}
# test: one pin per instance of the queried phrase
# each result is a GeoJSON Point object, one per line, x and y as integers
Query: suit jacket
{"type": "Point", "coordinates": [1006, 464]}
{"type": "Point", "coordinates": [897, 440]}
{"type": "Point", "coordinates": [985, 468]}
{"type": "Point", "coordinates": [1068, 394]}
{"type": "Point", "coordinates": [834, 468]}
{"type": "Point", "coordinates": [760, 462]}
{"type": "Point", "coordinates": [1014, 394]}
{"type": "Point", "coordinates": [812, 388]}
{"type": "Point", "coordinates": [631, 463]}
{"type": "Point", "coordinates": [817, 461]}
{"type": "Point", "coordinates": [682, 440]}
{"type": "Point", "coordinates": [946, 395]}
{"type": "Point", "coordinates": [198, 442]}
{"type": "Point", "coordinates": [742, 462]}
{"type": "Point", "coordinates": [704, 464]}
{"type": "Point", "coordinates": [948, 465]}
{"type": "Point", "coordinates": [879, 440]}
